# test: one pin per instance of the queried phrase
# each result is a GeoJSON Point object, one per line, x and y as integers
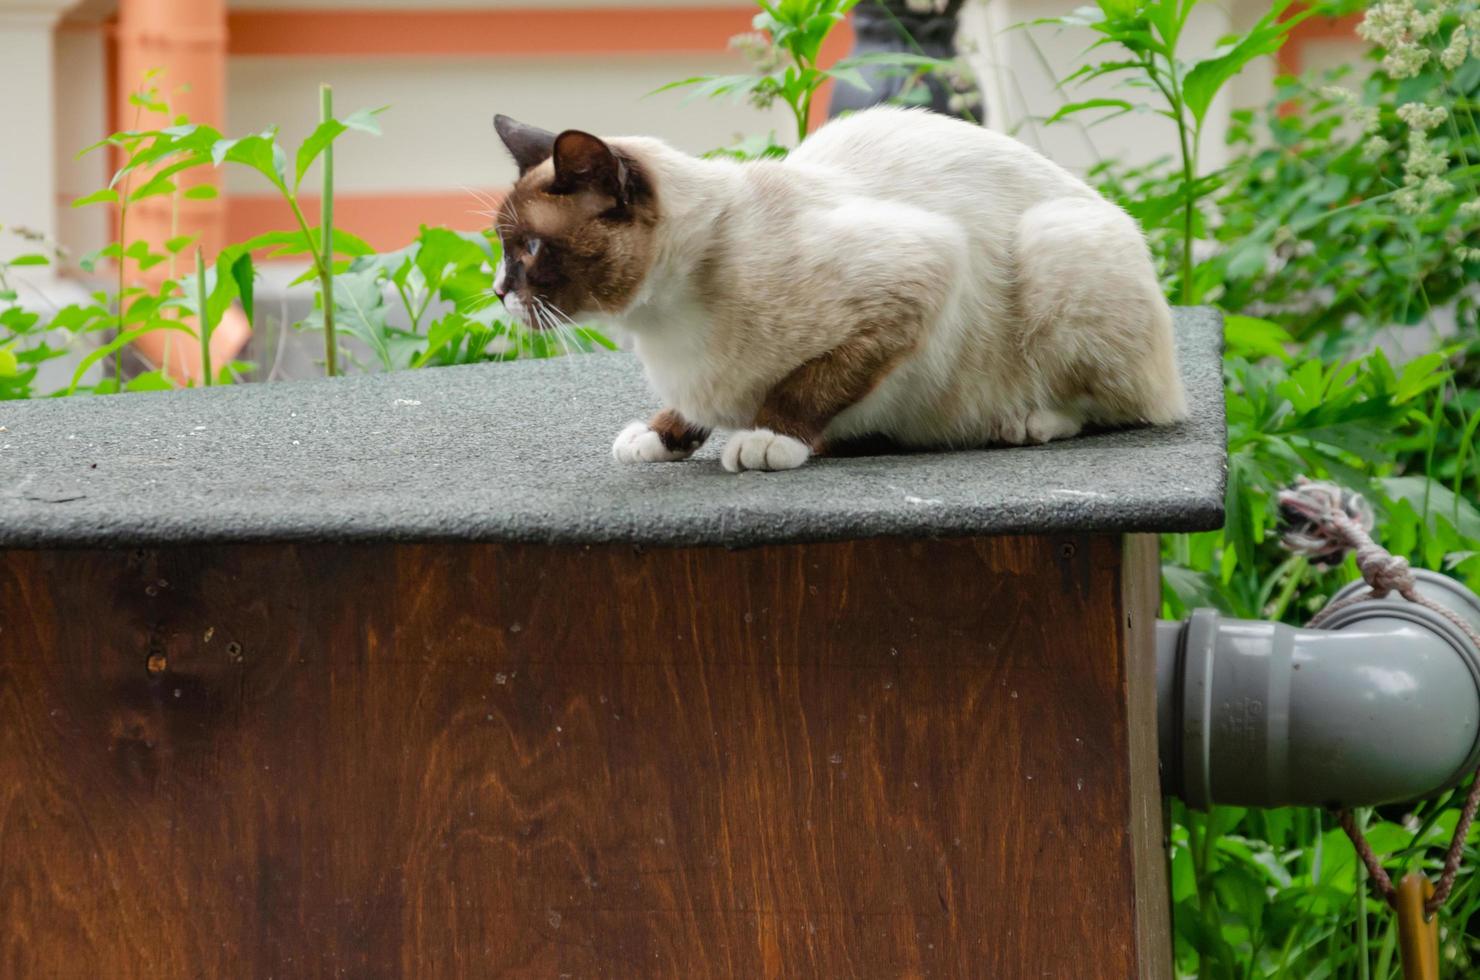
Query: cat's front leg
{"type": "Point", "coordinates": [667, 437]}
{"type": "Point", "coordinates": [789, 426]}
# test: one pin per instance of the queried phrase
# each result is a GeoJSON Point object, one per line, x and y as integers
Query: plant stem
{"type": "Point", "coordinates": [1364, 953]}
{"type": "Point", "coordinates": [1172, 92]}
{"type": "Point", "coordinates": [800, 114]}
{"type": "Point", "coordinates": [122, 227]}
{"type": "Point", "coordinates": [1189, 177]}
{"type": "Point", "coordinates": [204, 319]}
{"type": "Point", "coordinates": [326, 245]}
{"type": "Point", "coordinates": [1298, 569]}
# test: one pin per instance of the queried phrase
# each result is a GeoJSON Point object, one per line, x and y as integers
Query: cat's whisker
{"type": "Point", "coordinates": [557, 328]}
{"type": "Point", "coordinates": [569, 342]}
{"type": "Point", "coordinates": [489, 202]}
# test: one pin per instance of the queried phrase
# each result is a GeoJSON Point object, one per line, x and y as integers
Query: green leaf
{"type": "Point", "coordinates": [285, 243]}
{"type": "Point", "coordinates": [9, 365]}
{"type": "Point", "coordinates": [1420, 375]}
{"type": "Point", "coordinates": [201, 192]}
{"type": "Point", "coordinates": [328, 131]}
{"type": "Point", "coordinates": [260, 152]}
{"type": "Point", "coordinates": [30, 258]}
{"type": "Point", "coordinates": [105, 196]}
{"type": "Point", "coordinates": [150, 381]}
{"type": "Point", "coordinates": [891, 59]}
{"type": "Point", "coordinates": [1075, 107]}
{"type": "Point", "coordinates": [1203, 82]}
{"type": "Point", "coordinates": [155, 187]}
{"type": "Point", "coordinates": [122, 340]}
{"type": "Point", "coordinates": [454, 325]}
{"type": "Point", "coordinates": [1252, 337]}
{"type": "Point", "coordinates": [175, 245]}
{"type": "Point", "coordinates": [851, 77]}
{"type": "Point", "coordinates": [243, 273]}
{"type": "Point", "coordinates": [1441, 500]}
{"type": "Point", "coordinates": [360, 309]}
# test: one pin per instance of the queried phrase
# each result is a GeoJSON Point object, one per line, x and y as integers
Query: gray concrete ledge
{"type": "Point", "coordinates": [520, 452]}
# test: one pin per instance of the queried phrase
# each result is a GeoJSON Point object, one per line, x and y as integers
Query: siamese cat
{"type": "Point", "coordinates": [900, 274]}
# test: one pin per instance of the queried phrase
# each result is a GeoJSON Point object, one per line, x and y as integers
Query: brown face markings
{"type": "Point", "coordinates": [595, 243]}
{"type": "Point", "coordinates": [678, 434]}
{"type": "Point", "coordinates": [803, 403]}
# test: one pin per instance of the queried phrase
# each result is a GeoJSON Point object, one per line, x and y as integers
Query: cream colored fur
{"type": "Point", "coordinates": [1038, 305]}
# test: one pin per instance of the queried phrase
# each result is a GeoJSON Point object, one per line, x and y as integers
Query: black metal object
{"type": "Point", "coordinates": [892, 26]}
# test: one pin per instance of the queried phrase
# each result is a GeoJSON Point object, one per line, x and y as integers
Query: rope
{"type": "Point", "coordinates": [1324, 522]}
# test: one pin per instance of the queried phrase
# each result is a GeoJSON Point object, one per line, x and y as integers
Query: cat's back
{"type": "Point", "coordinates": [912, 153]}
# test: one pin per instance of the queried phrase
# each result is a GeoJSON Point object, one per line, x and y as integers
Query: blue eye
{"type": "Point", "coordinates": [532, 247]}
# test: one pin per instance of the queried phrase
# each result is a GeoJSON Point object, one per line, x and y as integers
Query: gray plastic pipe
{"type": "Point", "coordinates": [1380, 705]}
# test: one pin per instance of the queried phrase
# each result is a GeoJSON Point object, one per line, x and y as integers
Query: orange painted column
{"type": "Point", "coordinates": [184, 43]}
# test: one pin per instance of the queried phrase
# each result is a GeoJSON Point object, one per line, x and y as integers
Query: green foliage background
{"type": "Point", "coordinates": [1353, 347]}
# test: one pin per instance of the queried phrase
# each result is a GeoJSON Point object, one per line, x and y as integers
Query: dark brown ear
{"type": "Point", "coordinates": [530, 146]}
{"type": "Point", "coordinates": [584, 162]}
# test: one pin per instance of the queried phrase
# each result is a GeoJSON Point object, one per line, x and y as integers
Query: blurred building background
{"type": "Point", "coordinates": [66, 67]}
{"type": "Point", "coordinates": [444, 68]}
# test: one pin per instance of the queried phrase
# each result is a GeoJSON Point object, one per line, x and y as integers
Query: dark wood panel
{"type": "Point", "coordinates": [1141, 600]}
{"type": "Point", "coordinates": [874, 759]}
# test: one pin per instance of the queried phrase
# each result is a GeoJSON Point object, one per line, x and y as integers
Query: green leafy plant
{"type": "Point", "coordinates": [786, 52]}
{"type": "Point", "coordinates": [1344, 217]}
{"type": "Point", "coordinates": [445, 311]}
{"type": "Point", "coordinates": [1145, 37]}
{"type": "Point", "coordinates": [432, 303]}
{"type": "Point", "coordinates": [1317, 240]}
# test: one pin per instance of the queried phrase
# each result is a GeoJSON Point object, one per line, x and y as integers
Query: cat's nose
{"type": "Point", "coordinates": [501, 281]}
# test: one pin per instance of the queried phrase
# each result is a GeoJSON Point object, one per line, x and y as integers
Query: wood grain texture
{"type": "Point", "coordinates": [1141, 600]}
{"type": "Point", "coordinates": [871, 759]}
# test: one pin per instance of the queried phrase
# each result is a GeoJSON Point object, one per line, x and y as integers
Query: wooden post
{"type": "Point", "coordinates": [878, 758]}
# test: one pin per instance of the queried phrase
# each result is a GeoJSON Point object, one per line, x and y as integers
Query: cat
{"type": "Point", "coordinates": [900, 274]}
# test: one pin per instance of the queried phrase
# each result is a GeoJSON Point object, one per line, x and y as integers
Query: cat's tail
{"type": "Point", "coordinates": [1094, 319]}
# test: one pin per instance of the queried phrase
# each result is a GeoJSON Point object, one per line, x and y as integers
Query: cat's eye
{"type": "Point", "coordinates": [532, 247]}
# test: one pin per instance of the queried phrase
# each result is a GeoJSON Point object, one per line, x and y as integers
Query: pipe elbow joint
{"type": "Point", "coordinates": [1380, 705]}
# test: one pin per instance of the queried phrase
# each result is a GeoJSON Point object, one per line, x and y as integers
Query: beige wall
{"type": "Point", "coordinates": [82, 119]}
{"type": "Point", "coordinates": [438, 132]}
{"type": "Point", "coordinates": [1027, 64]}
{"type": "Point", "coordinates": [28, 114]}
{"type": "Point", "coordinates": [439, 129]}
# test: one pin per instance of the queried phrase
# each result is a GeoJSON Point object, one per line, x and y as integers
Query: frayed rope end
{"type": "Point", "coordinates": [1309, 510]}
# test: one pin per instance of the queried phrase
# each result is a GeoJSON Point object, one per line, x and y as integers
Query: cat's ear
{"type": "Point", "coordinates": [530, 146]}
{"type": "Point", "coordinates": [584, 162]}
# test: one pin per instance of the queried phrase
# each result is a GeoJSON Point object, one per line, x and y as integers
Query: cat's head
{"type": "Point", "coordinates": [577, 229]}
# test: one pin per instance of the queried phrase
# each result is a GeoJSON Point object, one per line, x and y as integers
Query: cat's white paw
{"type": "Point", "coordinates": [639, 444]}
{"type": "Point", "coordinates": [1045, 425]}
{"type": "Point", "coordinates": [762, 449]}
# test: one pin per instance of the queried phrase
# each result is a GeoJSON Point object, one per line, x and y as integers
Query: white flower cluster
{"type": "Point", "coordinates": [757, 49]}
{"type": "Point", "coordinates": [1457, 52]}
{"type": "Point", "coordinates": [1411, 37]}
{"type": "Point", "coordinates": [1365, 116]}
{"type": "Point", "coordinates": [1470, 210]}
{"type": "Point", "coordinates": [1422, 117]}
{"type": "Point", "coordinates": [1425, 165]}
{"type": "Point", "coordinates": [1399, 28]}
{"type": "Point", "coordinates": [1423, 170]}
